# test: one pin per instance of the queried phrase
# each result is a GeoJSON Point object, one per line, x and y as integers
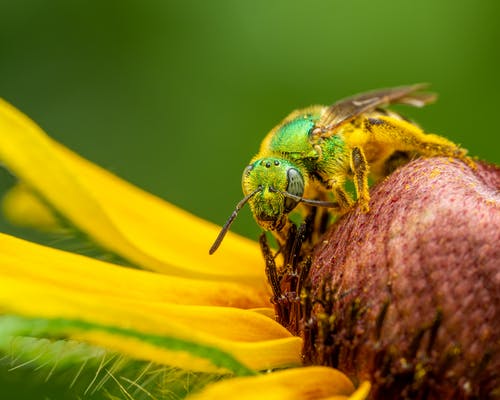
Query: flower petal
{"type": "Point", "coordinates": [265, 345]}
{"type": "Point", "coordinates": [119, 216]}
{"type": "Point", "coordinates": [26, 289]}
{"type": "Point", "coordinates": [307, 383]}
{"type": "Point", "coordinates": [187, 355]}
{"type": "Point", "coordinates": [29, 261]}
{"type": "Point", "coordinates": [23, 208]}
{"type": "Point", "coordinates": [361, 393]}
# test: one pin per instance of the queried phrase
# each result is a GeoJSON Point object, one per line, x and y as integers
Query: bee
{"type": "Point", "coordinates": [309, 156]}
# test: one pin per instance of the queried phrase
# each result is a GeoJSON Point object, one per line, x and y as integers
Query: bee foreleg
{"type": "Point", "coordinates": [282, 233]}
{"type": "Point", "coordinates": [359, 167]}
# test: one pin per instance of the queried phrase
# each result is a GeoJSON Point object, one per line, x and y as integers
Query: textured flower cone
{"type": "Point", "coordinates": [408, 295]}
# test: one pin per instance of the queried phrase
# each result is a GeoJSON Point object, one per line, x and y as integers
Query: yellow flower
{"type": "Point", "coordinates": [184, 308]}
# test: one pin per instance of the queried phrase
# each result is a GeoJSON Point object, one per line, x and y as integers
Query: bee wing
{"type": "Point", "coordinates": [349, 108]}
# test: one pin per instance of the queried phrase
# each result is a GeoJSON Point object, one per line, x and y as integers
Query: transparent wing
{"type": "Point", "coordinates": [349, 108]}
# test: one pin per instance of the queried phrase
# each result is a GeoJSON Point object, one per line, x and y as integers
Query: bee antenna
{"type": "Point", "coordinates": [230, 220]}
{"type": "Point", "coordinates": [310, 202]}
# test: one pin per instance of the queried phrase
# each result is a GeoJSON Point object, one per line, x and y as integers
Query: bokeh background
{"type": "Point", "coordinates": [175, 96]}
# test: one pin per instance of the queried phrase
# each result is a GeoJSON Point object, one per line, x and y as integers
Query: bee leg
{"type": "Point", "coordinates": [343, 198]}
{"type": "Point", "coordinates": [436, 146]}
{"type": "Point", "coordinates": [281, 235]}
{"type": "Point", "coordinates": [405, 136]}
{"type": "Point", "coordinates": [359, 166]}
{"type": "Point", "coordinates": [336, 185]}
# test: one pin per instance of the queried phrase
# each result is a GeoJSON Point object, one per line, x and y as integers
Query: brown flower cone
{"type": "Point", "coordinates": [408, 294]}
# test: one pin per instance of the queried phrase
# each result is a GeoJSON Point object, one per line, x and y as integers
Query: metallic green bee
{"type": "Point", "coordinates": [309, 156]}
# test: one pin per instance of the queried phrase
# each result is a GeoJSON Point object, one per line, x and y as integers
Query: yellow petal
{"type": "Point", "coordinates": [361, 393]}
{"type": "Point", "coordinates": [253, 339]}
{"type": "Point", "coordinates": [23, 208]}
{"type": "Point", "coordinates": [48, 283]}
{"type": "Point", "coordinates": [119, 216]}
{"type": "Point", "coordinates": [29, 261]}
{"type": "Point", "coordinates": [161, 349]}
{"type": "Point", "coordinates": [307, 383]}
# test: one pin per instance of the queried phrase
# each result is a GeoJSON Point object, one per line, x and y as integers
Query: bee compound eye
{"type": "Point", "coordinates": [295, 182]}
{"type": "Point", "coordinates": [295, 186]}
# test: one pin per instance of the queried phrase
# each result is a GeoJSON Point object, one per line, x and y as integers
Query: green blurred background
{"type": "Point", "coordinates": [175, 96]}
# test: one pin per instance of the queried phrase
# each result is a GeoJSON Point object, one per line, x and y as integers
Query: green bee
{"type": "Point", "coordinates": [311, 154]}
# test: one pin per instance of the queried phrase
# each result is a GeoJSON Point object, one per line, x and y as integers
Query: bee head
{"type": "Point", "coordinates": [271, 177]}
{"type": "Point", "coordinates": [273, 187]}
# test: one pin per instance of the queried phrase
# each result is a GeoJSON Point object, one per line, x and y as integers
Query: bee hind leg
{"type": "Point", "coordinates": [404, 136]}
{"type": "Point", "coordinates": [437, 146]}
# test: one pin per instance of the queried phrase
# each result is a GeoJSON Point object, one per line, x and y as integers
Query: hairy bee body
{"type": "Point", "coordinates": [310, 155]}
